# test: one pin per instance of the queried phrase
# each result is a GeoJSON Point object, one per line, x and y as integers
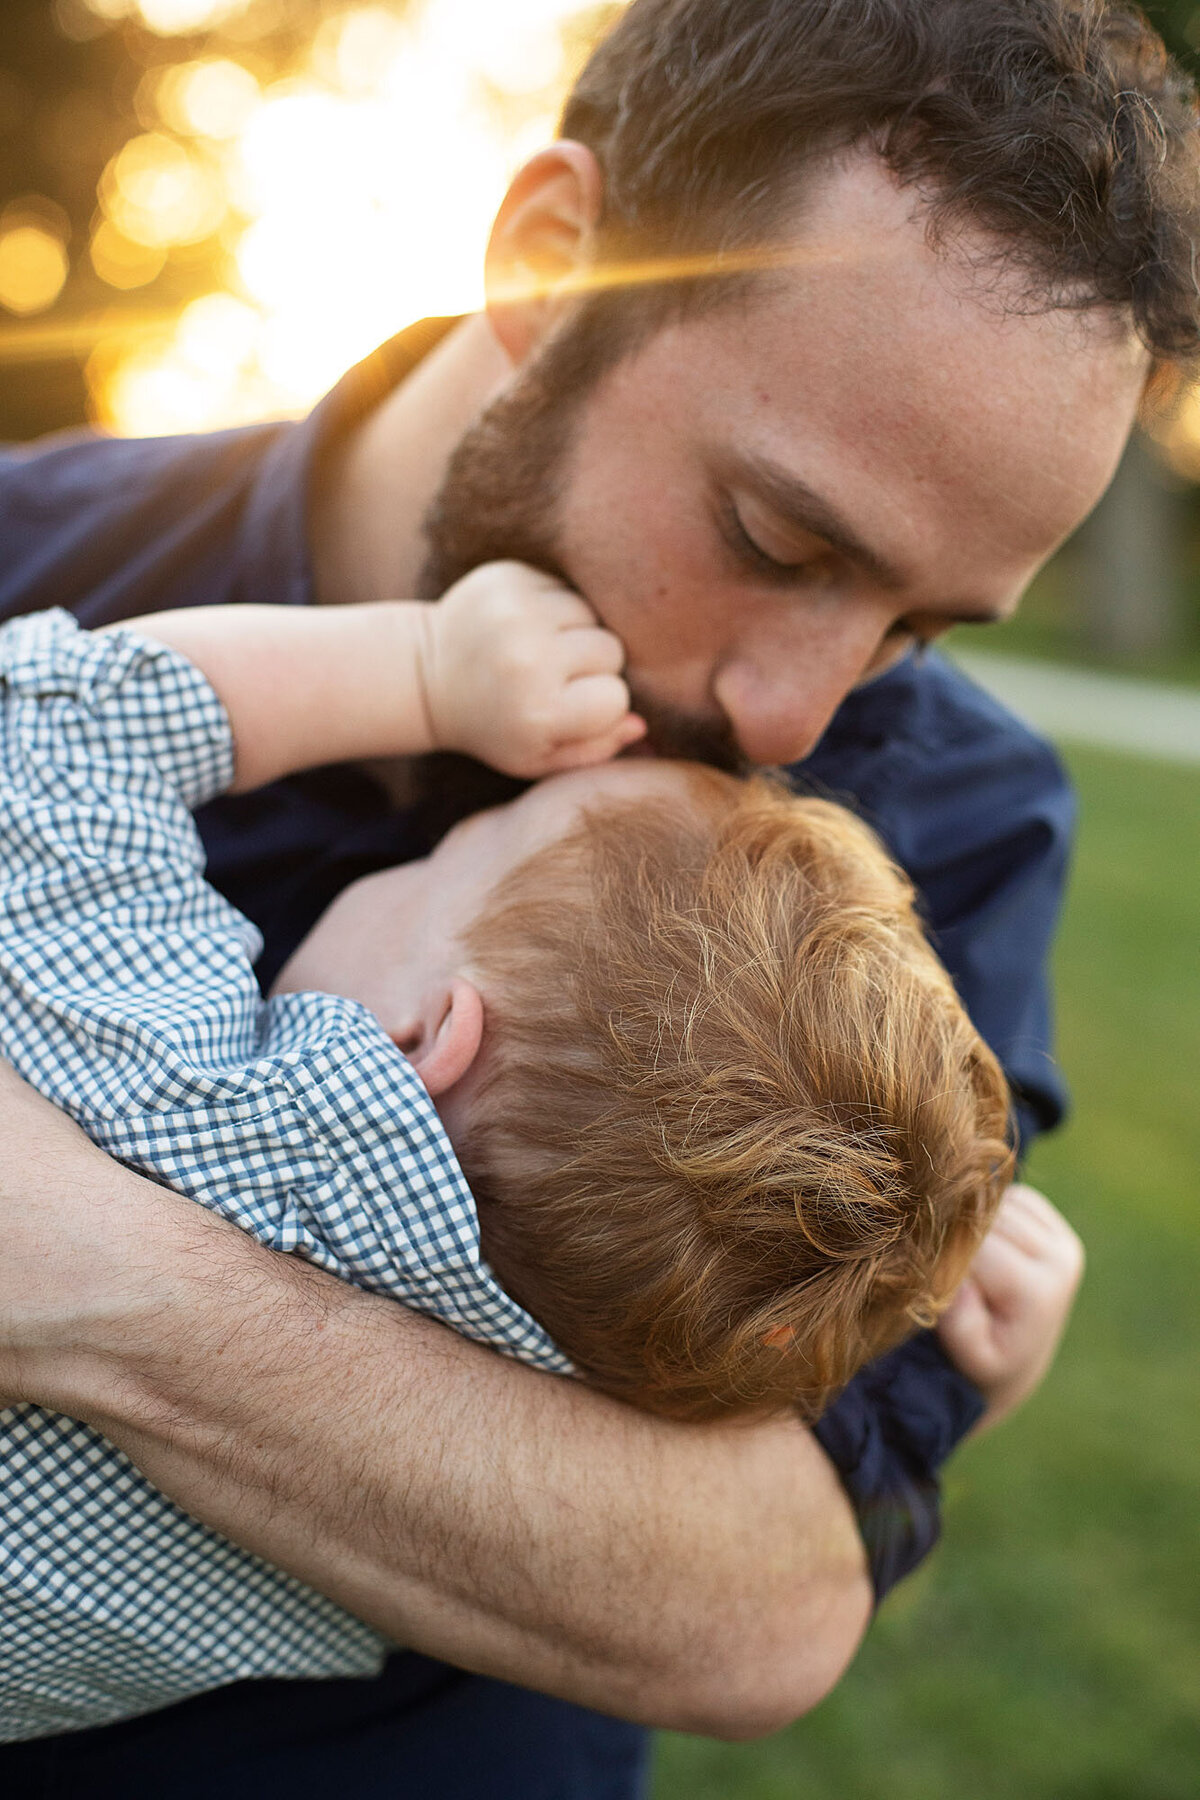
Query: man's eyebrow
{"type": "Point", "coordinates": [801, 506]}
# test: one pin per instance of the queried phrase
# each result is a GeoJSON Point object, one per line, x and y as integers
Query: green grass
{"type": "Point", "coordinates": [1051, 1650]}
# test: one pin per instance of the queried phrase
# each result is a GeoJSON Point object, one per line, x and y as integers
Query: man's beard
{"type": "Point", "coordinates": [499, 501]}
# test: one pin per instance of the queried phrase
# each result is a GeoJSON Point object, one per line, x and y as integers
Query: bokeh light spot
{"type": "Point", "coordinates": [176, 18]}
{"type": "Point", "coordinates": [201, 375]}
{"type": "Point", "coordinates": [120, 262]}
{"type": "Point", "coordinates": [110, 10]}
{"type": "Point", "coordinates": [210, 98]}
{"type": "Point", "coordinates": [217, 333]}
{"type": "Point", "coordinates": [1178, 434]}
{"type": "Point", "coordinates": [33, 267]}
{"type": "Point", "coordinates": [159, 193]}
{"type": "Point", "coordinates": [352, 47]}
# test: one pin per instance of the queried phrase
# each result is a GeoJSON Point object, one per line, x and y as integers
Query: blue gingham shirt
{"type": "Point", "coordinates": [127, 996]}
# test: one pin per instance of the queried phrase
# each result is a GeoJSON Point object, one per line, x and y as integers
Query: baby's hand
{"type": "Point", "coordinates": [518, 672]}
{"type": "Point", "coordinates": [1004, 1324]}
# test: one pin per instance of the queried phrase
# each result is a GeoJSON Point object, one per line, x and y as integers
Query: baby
{"type": "Point", "coordinates": [729, 1130]}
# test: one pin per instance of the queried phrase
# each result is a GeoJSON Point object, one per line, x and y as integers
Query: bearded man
{"type": "Point", "coordinates": [819, 329]}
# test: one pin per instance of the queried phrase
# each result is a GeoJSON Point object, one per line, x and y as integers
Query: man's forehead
{"type": "Point", "coordinates": [858, 259]}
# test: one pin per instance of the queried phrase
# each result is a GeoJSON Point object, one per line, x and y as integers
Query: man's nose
{"type": "Point", "coordinates": [780, 703]}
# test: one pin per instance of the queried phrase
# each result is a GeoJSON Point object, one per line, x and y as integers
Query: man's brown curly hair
{"type": "Point", "coordinates": [735, 1134]}
{"type": "Point", "coordinates": [1061, 128]}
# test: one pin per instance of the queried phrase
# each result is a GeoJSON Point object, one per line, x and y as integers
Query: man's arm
{"type": "Point", "coordinates": [710, 1579]}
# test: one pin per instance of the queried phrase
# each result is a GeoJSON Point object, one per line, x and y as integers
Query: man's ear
{"type": "Point", "coordinates": [445, 1041]}
{"type": "Point", "coordinates": [542, 244]}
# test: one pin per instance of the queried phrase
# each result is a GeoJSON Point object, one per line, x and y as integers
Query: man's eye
{"type": "Point", "coordinates": [752, 553]}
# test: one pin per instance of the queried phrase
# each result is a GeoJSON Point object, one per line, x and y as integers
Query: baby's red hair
{"type": "Point", "coordinates": [735, 1134]}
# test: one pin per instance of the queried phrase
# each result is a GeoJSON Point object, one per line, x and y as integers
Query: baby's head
{"type": "Point", "coordinates": [730, 1129]}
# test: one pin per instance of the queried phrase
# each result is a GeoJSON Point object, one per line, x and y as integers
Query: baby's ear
{"type": "Point", "coordinates": [445, 1041]}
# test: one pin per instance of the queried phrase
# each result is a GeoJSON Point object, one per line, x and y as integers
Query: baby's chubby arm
{"type": "Point", "coordinates": [509, 666]}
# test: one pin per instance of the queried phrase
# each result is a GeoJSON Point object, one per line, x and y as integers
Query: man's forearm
{"type": "Point", "coordinates": [512, 1523]}
{"type": "Point", "coordinates": [521, 1526]}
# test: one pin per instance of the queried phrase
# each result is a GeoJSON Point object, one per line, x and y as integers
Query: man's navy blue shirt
{"type": "Point", "coordinates": [971, 803]}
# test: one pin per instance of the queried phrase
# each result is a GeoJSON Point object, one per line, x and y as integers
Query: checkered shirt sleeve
{"type": "Point", "coordinates": [127, 996]}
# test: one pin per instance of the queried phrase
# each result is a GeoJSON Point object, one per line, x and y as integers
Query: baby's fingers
{"type": "Point", "coordinates": [591, 651]}
{"type": "Point", "coordinates": [594, 722]}
{"type": "Point", "coordinates": [598, 749]}
{"type": "Point", "coordinates": [1029, 1221]}
{"type": "Point", "coordinates": [590, 706]}
{"type": "Point", "coordinates": [965, 1329]}
{"type": "Point", "coordinates": [1001, 1271]}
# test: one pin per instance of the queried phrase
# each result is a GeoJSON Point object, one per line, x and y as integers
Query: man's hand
{"type": "Point", "coordinates": [1005, 1323]}
{"type": "Point", "coordinates": [518, 672]}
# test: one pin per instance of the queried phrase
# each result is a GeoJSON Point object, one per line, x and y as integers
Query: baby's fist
{"type": "Point", "coordinates": [1003, 1327]}
{"type": "Point", "coordinates": [518, 671]}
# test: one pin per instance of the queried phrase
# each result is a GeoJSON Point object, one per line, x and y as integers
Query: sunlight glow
{"type": "Point", "coordinates": [185, 378]}
{"type": "Point", "coordinates": [341, 204]}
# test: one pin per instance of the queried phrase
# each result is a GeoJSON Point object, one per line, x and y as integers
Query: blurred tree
{"type": "Point", "coordinates": [1130, 567]}
{"type": "Point", "coordinates": [1131, 559]}
{"type": "Point", "coordinates": [1179, 22]}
